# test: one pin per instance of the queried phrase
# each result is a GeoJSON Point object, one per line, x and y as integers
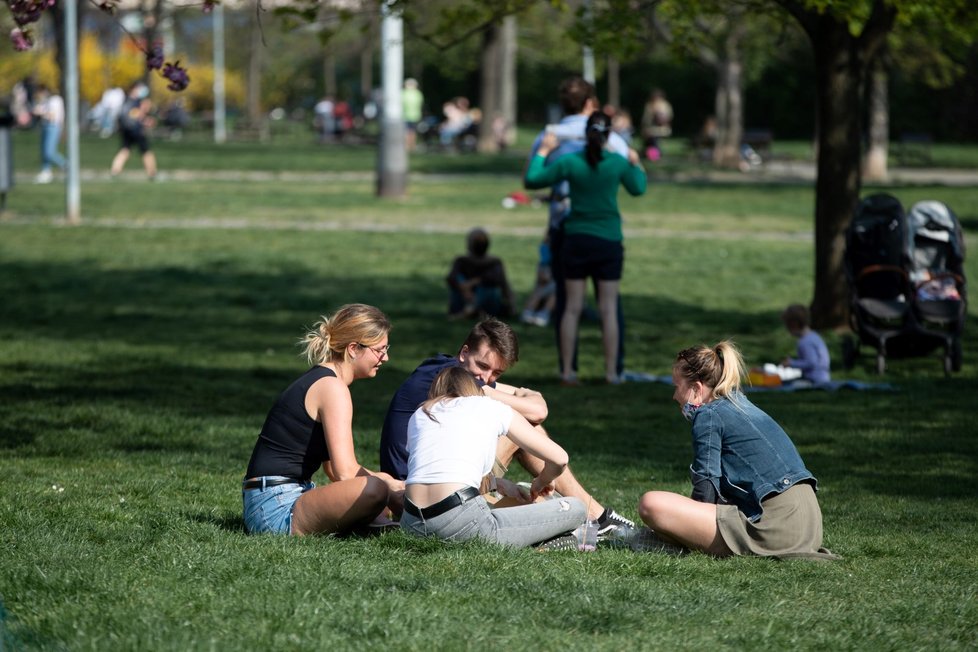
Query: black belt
{"type": "Point", "coordinates": [451, 502]}
{"type": "Point", "coordinates": [262, 483]}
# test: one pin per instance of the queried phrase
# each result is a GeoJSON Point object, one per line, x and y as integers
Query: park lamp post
{"type": "Point", "coordinates": [391, 150]}
{"type": "Point", "coordinates": [72, 181]}
{"type": "Point", "coordinates": [220, 129]}
{"type": "Point", "coordinates": [587, 53]}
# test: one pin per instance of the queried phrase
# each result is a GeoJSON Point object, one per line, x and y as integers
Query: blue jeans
{"type": "Point", "coordinates": [270, 509]}
{"type": "Point", "coordinates": [487, 299]}
{"type": "Point", "coordinates": [50, 135]}
{"type": "Point", "coordinates": [520, 526]}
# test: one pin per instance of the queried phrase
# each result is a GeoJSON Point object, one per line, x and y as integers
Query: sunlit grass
{"type": "Point", "coordinates": [140, 351]}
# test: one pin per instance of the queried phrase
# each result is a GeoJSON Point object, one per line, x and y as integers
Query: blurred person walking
{"type": "Point", "coordinates": [134, 120]}
{"type": "Point", "coordinates": [412, 101]}
{"type": "Point", "coordinates": [49, 109]}
{"type": "Point", "coordinates": [656, 123]}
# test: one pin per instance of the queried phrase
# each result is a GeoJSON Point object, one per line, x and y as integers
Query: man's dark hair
{"type": "Point", "coordinates": [574, 93]}
{"type": "Point", "coordinates": [500, 338]}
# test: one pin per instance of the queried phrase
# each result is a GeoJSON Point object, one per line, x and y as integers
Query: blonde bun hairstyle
{"type": "Point", "coordinates": [355, 323]}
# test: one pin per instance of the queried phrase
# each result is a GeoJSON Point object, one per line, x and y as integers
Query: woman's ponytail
{"type": "Point", "coordinates": [719, 367]}
{"type": "Point", "coordinates": [596, 133]}
{"type": "Point", "coordinates": [316, 342]}
{"type": "Point", "coordinates": [731, 366]}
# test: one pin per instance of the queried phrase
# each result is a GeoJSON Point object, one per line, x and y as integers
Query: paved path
{"type": "Point", "coordinates": [770, 172]}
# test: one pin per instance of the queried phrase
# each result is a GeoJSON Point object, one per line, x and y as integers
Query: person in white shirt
{"type": "Point", "coordinates": [49, 109]}
{"type": "Point", "coordinates": [452, 445]}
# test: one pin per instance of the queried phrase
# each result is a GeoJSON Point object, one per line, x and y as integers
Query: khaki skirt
{"type": "Point", "coordinates": [790, 527]}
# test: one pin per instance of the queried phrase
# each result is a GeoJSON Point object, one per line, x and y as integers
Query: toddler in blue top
{"type": "Point", "coordinates": [812, 356]}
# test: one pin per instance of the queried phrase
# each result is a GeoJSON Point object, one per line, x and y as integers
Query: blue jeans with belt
{"type": "Point", "coordinates": [519, 526]}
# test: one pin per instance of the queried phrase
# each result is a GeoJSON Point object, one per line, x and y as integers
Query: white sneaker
{"type": "Point", "coordinates": [45, 176]}
{"type": "Point", "coordinates": [645, 540]}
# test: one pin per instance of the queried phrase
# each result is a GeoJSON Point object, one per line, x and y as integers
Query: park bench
{"type": "Point", "coordinates": [760, 140]}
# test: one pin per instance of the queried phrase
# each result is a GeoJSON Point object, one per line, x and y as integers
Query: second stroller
{"type": "Point", "coordinates": [906, 281]}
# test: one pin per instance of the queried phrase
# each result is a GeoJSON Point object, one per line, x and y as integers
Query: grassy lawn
{"type": "Point", "coordinates": [140, 352]}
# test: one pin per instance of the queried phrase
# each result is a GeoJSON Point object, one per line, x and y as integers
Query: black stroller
{"type": "Point", "coordinates": [906, 281]}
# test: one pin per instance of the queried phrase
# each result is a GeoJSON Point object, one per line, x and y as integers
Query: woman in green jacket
{"type": "Point", "coordinates": [593, 244]}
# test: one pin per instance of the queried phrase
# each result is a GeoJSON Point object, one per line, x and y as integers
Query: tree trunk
{"type": "Point", "coordinates": [489, 96]}
{"type": "Point", "coordinates": [498, 88]}
{"type": "Point", "coordinates": [255, 57]}
{"type": "Point", "coordinates": [614, 83]}
{"type": "Point", "coordinates": [367, 70]}
{"type": "Point", "coordinates": [507, 82]}
{"type": "Point", "coordinates": [840, 69]}
{"type": "Point", "coordinates": [838, 73]}
{"type": "Point", "coordinates": [329, 73]}
{"type": "Point", "coordinates": [152, 18]}
{"type": "Point", "coordinates": [729, 111]}
{"type": "Point", "coordinates": [729, 99]}
{"type": "Point", "coordinates": [875, 167]}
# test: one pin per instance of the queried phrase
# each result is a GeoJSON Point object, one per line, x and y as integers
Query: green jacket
{"type": "Point", "coordinates": [593, 192]}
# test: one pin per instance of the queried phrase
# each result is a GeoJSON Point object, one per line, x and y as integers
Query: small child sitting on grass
{"type": "Point", "coordinates": [477, 281]}
{"type": "Point", "coordinates": [812, 354]}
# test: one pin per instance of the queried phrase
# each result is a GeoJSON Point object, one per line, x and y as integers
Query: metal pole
{"type": "Point", "coordinates": [588, 63]}
{"type": "Point", "coordinates": [220, 130]}
{"type": "Point", "coordinates": [392, 161]}
{"type": "Point", "coordinates": [588, 73]}
{"type": "Point", "coordinates": [73, 181]}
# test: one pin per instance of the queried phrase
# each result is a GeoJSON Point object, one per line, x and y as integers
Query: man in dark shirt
{"type": "Point", "coordinates": [490, 349]}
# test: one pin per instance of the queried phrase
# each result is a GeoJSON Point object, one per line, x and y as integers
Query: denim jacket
{"type": "Point", "coordinates": [741, 456]}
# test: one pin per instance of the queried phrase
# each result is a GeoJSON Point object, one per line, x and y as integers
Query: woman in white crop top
{"type": "Point", "coordinates": [451, 446]}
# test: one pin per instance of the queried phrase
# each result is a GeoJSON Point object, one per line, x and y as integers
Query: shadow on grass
{"type": "Point", "coordinates": [225, 521]}
{"type": "Point", "coordinates": [130, 394]}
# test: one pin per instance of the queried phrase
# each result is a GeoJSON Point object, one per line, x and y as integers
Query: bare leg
{"type": "Point", "coordinates": [149, 164]}
{"type": "Point", "coordinates": [608, 307]}
{"type": "Point", "coordinates": [119, 161]}
{"type": "Point", "coordinates": [569, 322]}
{"type": "Point", "coordinates": [684, 521]}
{"type": "Point", "coordinates": [339, 506]}
{"type": "Point", "coordinates": [566, 483]}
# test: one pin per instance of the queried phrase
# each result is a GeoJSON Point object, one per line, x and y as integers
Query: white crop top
{"type": "Point", "coordinates": [460, 444]}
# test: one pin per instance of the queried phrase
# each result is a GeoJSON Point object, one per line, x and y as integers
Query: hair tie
{"type": "Point", "coordinates": [602, 128]}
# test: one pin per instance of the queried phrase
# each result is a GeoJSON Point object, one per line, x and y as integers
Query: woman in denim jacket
{"type": "Point", "coordinates": [752, 494]}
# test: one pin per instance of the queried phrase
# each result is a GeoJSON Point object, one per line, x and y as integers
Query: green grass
{"type": "Point", "coordinates": [140, 351]}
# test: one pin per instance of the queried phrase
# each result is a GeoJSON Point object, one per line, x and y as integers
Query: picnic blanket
{"type": "Point", "coordinates": [835, 385]}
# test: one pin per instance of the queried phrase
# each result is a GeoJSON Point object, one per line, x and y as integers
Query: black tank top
{"type": "Point", "coordinates": [290, 443]}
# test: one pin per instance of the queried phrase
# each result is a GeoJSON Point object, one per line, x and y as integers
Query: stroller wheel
{"type": "Point", "coordinates": [850, 351]}
{"type": "Point", "coordinates": [880, 364]}
{"type": "Point", "coordinates": [956, 356]}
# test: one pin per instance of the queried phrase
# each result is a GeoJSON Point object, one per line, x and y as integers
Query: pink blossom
{"type": "Point", "coordinates": [21, 39]}
{"type": "Point", "coordinates": [154, 58]}
{"type": "Point", "coordinates": [178, 76]}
